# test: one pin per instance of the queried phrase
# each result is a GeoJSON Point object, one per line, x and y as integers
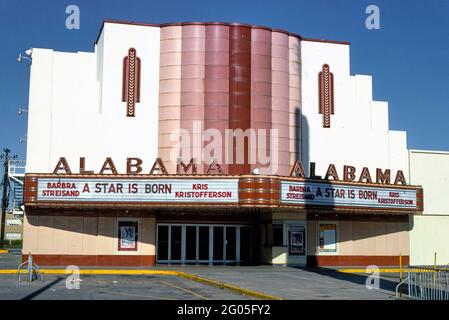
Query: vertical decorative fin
{"type": "Point", "coordinates": [131, 82]}
{"type": "Point", "coordinates": [326, 95]}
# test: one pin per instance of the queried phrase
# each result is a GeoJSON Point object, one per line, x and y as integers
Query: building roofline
{"type": "Point", "coordinates": [326, 41]}
{"type": "Point", "coordinates": [429, 151]}
{"type": "Point", "coordinates": [160, 25]}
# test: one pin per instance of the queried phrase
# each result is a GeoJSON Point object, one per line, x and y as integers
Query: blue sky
{"type": "Point", "coordinates": [408, 57]}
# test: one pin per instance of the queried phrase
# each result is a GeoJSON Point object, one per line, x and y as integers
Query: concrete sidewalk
{"type": "Point", "coordinates": [298, 283]}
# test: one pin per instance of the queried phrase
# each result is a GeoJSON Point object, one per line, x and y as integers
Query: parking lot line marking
{"type": "Point", "coordinates": [183, 289]}
{"type": "Point", "coordinates": [136, 295]}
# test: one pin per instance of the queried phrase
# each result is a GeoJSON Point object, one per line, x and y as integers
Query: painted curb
{"type": "Point", "coordinates": [97, 271]}
{"type": "Point", "coordinates": [370, 271]}
{"type": "Point", "coordinates": [214, 283]}
{"type": "Point", "coordinates": [390, 270]}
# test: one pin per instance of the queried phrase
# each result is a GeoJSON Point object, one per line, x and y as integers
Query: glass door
{"type": "Point", "coordinates": [218, 244]}
{"type": "Point", "coordinates": [191, 240]}
{"type": "Point", "coordinates": [195, 243]}
{"type": "Point", "coordinates": [203, 244]}
{"type": "Point", "coordinates": [175, 244]}
{"type": "Point", "coordinates": [231, 244]}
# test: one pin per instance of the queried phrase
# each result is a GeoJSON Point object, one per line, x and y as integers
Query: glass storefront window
{"type": "Point", "coordinates": [328, 237]}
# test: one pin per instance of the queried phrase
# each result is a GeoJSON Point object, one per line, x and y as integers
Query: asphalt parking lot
{"type": "Point", "coordinates": [282, 282]}
{"type": "Point", "coordinates": [112, 287]}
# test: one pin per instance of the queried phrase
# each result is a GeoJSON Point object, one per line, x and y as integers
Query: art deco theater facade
{"type": "Point", "coordinates": [212, 143]}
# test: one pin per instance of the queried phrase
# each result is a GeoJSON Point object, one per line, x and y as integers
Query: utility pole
{"type": "Point", "coordinates": [5, 196]}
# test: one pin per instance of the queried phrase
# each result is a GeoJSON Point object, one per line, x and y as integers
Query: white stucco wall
{"type": "Point", "coordinates": [359, 134]}
{"type": "Point", "coordinates": [74, 98]}
{"type": "Point", "coordinates": [430, 231]}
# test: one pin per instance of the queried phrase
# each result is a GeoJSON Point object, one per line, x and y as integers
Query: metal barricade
{"type": "Point", "coordinates": [33, 269]}
{"type": "Point", "coordinates": [427, 283]}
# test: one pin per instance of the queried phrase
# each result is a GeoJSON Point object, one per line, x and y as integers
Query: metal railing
{"type": "Point", "coordinates": [33, 269]}
{"type": "Point", "coordinates": [427, 283]}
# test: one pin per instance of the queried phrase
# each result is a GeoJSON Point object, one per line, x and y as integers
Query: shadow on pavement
{"type": "Point", "coordinates": [38, 292]}
{"type": "Point", "coordinates": [384, 284]}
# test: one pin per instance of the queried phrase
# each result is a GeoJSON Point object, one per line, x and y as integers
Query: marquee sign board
{"type": "Point", "coordinates": [339, 195]}
{"type": "Point", "coordinates": [131, 190]}
{"type": "Point", "coordinates": [193, 190]}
